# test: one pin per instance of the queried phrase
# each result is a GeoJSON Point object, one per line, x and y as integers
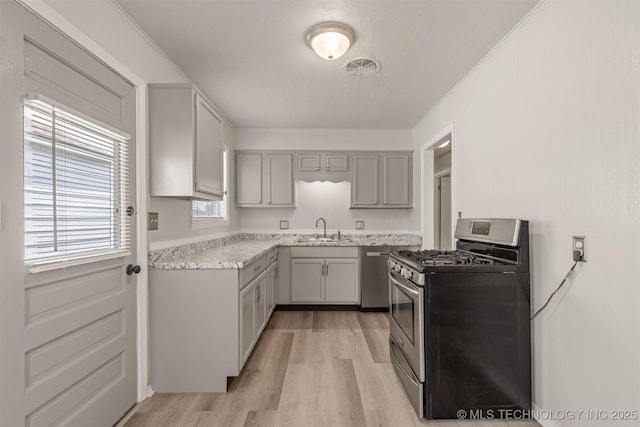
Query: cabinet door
{"type": "Point", "coordinates": [276, 285]}
{"type": "Point", "coordinates": [397, 180]}
{"type": "Point", "coordinates": [261, 304]}
{"type": "Point", "coordinates": [279, 188]}
{"type": "Point", "coordinates": [248, 178]}
{"type": "Point", "coordinates": [271, 276]}
{"type": "Point", "coordinates": [307, 280]}
{"type": "Point", "coordinates": [336, 162]}
{"type": "Point", "coordinates": [364, 188]}
{"type": "Point", "coordinates": [247, 321]}
{"type": "Point", "coordinates": [341, 281]}
{"type": "Point", "coordinates": [308, 162]}
{"type": "Point", "coordinates": [208, 171]}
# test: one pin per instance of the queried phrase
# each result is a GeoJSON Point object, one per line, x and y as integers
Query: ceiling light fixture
{"type": "Point", "coordinates": [330, 40]}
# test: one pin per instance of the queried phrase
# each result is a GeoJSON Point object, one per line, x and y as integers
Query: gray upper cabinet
{"type": "Point", "coordinates": [279, 184]}
{"type": "Point", "coordinates": [248, 179]}
{"type": "Point", "coordinates": [185, 144]}
{"type": "Point", "coordinates": [308, 162]}
{"type": "Point", "coordinates": [322, 167]}
{"type": "Point", "coordinates": [382, 180]}
{"type": "Point", "coordinates": [397, 188]}
{"type": "Point", "coordinates": [264, 179]}
{"type": "Point", "coordinates": [364, 187]}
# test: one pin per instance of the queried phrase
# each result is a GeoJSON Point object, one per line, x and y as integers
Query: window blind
{"type": "Point", "coordinates": [74, 185]}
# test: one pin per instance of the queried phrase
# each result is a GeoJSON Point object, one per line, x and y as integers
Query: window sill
{"type": "Point", "coordinates": [72, 261]}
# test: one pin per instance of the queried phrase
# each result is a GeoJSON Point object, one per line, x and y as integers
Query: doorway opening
{"type": "Point", "coordinates": [442, 232]}
{"type": "Point", "coordinates": [438, 187]}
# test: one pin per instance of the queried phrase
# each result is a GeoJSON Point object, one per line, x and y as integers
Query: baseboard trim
{"type": "Point", "coordinates": [375, 309]}
{"type": "Point", "coordinates": [318, 307]}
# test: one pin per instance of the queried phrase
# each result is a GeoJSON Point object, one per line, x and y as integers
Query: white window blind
{"type": "Point", "coordinates": [74, 185]}
{"type": "Point", "coordinates": [213, 209]}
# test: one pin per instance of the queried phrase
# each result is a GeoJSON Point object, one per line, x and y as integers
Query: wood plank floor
{"type": "Point", "coordinates": [311, 369]}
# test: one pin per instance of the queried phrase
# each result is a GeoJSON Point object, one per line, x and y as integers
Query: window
{"type": "Point", "coordinates": [212, 209]}
{"type": "Point", "coordinates": [74, 185]}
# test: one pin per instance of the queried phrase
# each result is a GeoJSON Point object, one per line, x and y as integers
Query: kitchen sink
{"type": "Point", "coordinates": [326, 240]}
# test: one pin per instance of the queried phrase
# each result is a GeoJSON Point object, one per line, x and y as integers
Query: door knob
{"type": "Point", "coordinates": [132, 269]}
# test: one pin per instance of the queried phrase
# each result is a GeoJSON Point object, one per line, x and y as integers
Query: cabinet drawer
{"type": "Point", "coordinates": [324, 252]}
{"type": "Point", "coordinates": [272, 256]}
{"type": "Point", "coordinates": [252, 270]}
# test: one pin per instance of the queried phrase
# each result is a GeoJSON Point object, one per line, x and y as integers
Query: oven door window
{"type": "Point", "coordinates": [403, 311]}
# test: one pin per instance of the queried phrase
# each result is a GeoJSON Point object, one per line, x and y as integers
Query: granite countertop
{"type": "Point", "coordinates": [234, 252]}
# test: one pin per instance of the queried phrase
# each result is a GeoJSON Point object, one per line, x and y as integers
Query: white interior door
{"type": "Point", "coordinates": [67, 318]}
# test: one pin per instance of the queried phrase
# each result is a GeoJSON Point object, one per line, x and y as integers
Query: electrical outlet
{"type": "Point", "coordinates": [359, 225]}
{"type": "Point", "coordinates": [152, 218]}
{"type": "Point", "coordinates": [579, 248]}
{"type": "Point", "coordinates": [284, 224]}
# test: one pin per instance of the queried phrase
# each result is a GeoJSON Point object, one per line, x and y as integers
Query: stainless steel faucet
{"type": "Point", "coordinates": [325, 226]}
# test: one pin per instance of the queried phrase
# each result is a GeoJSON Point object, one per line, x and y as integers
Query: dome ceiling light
{"type": "Point", "coordinates": [330, 40]}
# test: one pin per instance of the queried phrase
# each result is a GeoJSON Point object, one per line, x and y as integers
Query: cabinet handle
{"type": "Point", "coordinates": [258, 294]}
{"type": "Point", "coordinates": [326, 269]}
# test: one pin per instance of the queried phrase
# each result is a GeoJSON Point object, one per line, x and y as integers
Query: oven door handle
{"type": "Point", "coordinates": [401, 285]}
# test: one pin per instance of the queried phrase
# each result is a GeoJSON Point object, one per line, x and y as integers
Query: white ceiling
{"type": "Point", "coordinates": [252, 60]}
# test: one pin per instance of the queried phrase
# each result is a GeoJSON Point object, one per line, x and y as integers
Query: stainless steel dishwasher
{"type": "Point", "coordinates": [374, 282]}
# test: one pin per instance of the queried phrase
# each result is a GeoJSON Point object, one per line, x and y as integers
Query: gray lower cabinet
{"type": "Point", "coordinates": [382, 180]}
{"type": "Point", "coordinates": [323, 275]}
{"type": "Point", "coordinates": [204, 324]}
{"type": "Point", "coordinates": [264, 179]}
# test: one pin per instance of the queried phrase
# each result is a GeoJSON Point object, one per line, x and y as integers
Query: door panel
{"type": "Point", "coordinates": [341, 281]}
{"type": "Point", "coordinates": [397, 182]}
{"type": "Point", "coordinates": [364, 188]}
{"type": "Point", "coordinates": [72, 353]}
{"type": "Point", "coordinates": [280, 170]}
{"type": "Point", "coordinates": [208, 149]}
{"type": "Point", "coordinates": [247, 320]}
{"type": "Point", "coordinates": [307, 280]}
{"type": "Point", "coordinates": [261, 304]}
{"type": "Point", "coordinates": [248, 178]}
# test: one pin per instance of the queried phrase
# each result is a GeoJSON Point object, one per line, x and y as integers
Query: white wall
{"type": "Point", "coordinates": [329, 200]}
{"type": "Point", "coordinates": [547, 129]}
{"type": "Point", "coordinates": [106, 24]}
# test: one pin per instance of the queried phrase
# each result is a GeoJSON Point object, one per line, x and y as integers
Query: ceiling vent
{"type": "Point", "coordinates": [362, 68]}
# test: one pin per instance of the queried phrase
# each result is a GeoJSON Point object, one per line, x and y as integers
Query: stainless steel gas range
{"type": "Point", "coordinates": [460, 332]}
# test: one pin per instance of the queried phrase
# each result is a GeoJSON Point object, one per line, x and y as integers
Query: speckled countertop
{"type": "Point", "coordinates": [238, 250]}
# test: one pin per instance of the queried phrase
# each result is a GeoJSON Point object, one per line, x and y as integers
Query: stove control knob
{"type": "Point", "coordinates": [390, 264]}
{"type": "Point", "coordinates": [406, 273]}
{"type": "Point", "coordinates": [397, 268]}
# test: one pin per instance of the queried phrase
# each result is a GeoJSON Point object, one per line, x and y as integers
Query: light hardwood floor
{"type": "Point", "coordinates": [309, 369]}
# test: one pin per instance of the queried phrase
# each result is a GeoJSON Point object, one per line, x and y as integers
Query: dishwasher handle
{"type": "Point", "coordinates": [378, 253]}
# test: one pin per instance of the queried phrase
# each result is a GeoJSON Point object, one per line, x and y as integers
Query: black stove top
{"type": "Point", "coordinates": [436, 257]}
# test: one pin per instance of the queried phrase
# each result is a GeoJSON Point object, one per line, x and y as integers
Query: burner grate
{"type": "Point", "coordinates": [436, 257]}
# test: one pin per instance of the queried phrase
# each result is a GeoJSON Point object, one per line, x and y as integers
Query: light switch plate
{"type": "Point", "coordinates": [152, 220]}
{"type": "Point", "coordinates": [284, 225]}
{"type": "Point", "coordinates": [359, 225]}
